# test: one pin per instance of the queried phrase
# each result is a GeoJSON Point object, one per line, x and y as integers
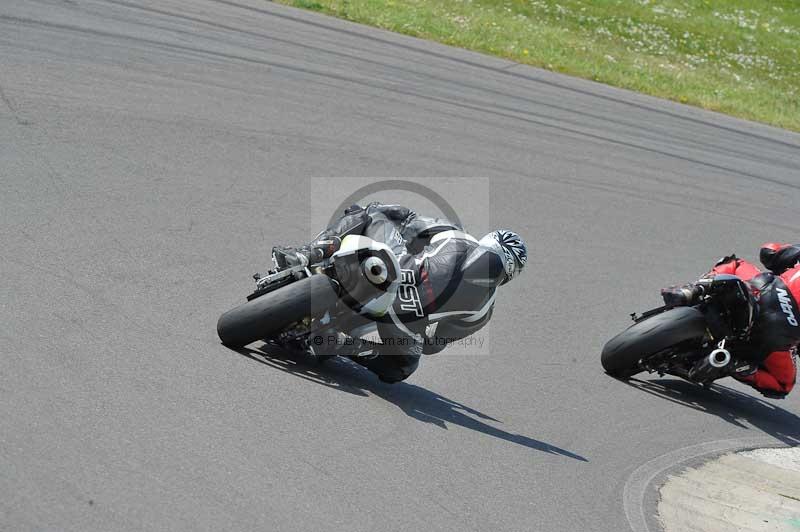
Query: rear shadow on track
{"type": "Point", "coordinates": [417, 402]}
{"type": "Point", "coordinates": [733, 406]}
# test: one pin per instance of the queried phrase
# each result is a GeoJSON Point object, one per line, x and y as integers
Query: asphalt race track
{"type": "Point", "coordinates": [152, 152]}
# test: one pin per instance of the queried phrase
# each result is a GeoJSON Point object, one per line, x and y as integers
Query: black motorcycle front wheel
{"type": "Point", "coordinates": [622, 354]}
{"type": "Point", "coordinates": [268, 315]}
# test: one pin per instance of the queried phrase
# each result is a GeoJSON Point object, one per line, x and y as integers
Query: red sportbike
{"type": "Point", "coordinates": [719, 335]}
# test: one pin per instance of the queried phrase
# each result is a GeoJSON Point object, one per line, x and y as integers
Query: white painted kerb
{"type": "Point", "coordinates": [747, 491]}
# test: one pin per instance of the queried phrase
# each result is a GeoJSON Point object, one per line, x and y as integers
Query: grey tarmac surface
{"type": "Point", "coordinates": [152, 152]}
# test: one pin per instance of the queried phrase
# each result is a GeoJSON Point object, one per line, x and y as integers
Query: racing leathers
{"type": "Point", "coordinates": [775, 332]}
{"type": "Point", "coordinates": [447, 285]}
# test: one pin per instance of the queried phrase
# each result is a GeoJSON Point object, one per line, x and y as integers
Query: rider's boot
{"type": "Point", "coordinates": [287, 256]}
{"type": "Point", "coordinates": [681, 296]}
{"type": "Point", "coordinates": [327, 345]}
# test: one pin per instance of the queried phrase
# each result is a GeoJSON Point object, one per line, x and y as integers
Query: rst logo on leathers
{"type": "Point", "coordinates": [786, 306]}
{"type": "Point", "coordinates": [408, 293]}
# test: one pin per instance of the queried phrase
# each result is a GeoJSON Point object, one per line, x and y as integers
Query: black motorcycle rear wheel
{"type": "Point", "coordinates": [268, 315]}
{"type": "Point", "coordinates": [621, 354]}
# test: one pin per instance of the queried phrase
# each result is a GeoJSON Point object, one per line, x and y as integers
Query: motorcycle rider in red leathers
{"type": "Point", "coordinates": [776, 330]}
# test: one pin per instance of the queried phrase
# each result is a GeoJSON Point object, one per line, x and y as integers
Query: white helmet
{"type": "Point", "coordinates": [510, 247]}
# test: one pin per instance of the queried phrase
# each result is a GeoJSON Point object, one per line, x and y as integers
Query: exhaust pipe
{"type": "Point", "coordinates": [719, 358]}
{"type": "Point", "coordinates": [375, 270]}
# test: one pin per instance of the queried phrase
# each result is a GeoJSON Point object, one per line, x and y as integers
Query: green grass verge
{"type": "Point", "coordinates": [740, 57]}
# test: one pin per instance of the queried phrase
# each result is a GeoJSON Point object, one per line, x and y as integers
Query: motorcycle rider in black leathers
{"type": "Point", "coordinates": [448, 282]}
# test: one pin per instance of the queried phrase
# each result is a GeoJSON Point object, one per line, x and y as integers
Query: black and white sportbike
{"type": "Point", "coordinates": [726, 328]}
{"type": "Point", "coordinates": [345, 292]}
